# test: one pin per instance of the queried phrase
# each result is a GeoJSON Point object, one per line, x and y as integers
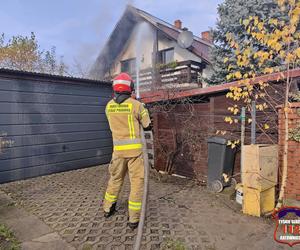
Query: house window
{"type": "Point", "coordinates": [128, 66]}
{"type": "Point", "coordinates": [166, 56]}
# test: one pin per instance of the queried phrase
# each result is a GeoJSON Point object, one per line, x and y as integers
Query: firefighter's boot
{"type": "Point", "coordinates": [111, 211]}
{"type": "Point", "coordinates": [133, 225]}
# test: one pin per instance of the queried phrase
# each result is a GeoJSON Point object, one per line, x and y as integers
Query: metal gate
{"type": "Point", "coordinates": [51, 124]}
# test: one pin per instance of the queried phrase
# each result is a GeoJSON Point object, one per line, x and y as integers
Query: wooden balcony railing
{"type": "Point", "coordinates": [177, 74]}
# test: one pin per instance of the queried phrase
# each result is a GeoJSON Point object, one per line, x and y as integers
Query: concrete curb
{"type": "Point", "coordinates": [33, 233]}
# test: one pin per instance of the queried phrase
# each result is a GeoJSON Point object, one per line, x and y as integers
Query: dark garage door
{"type": "Point", "coordinates": [55, 123]}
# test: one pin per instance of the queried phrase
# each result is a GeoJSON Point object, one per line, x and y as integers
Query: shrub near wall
{"type": "Point", "coordinates": [292, 191]}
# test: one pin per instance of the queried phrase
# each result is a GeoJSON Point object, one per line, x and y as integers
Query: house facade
{"type": "Point", "coordinates": [147, 48]}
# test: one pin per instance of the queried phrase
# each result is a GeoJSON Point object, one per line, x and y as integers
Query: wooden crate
{"type": "Point", "coordinates": [256, 202]}
{"type": "Point", "coordinates": [260, 166]}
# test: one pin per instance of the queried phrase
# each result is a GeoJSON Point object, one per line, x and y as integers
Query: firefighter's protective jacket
{"type": "Point", "coordinates": [124, 121]}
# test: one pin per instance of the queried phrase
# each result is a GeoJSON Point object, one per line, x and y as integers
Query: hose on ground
{"type": "Point", "coordinates": [139, 235]}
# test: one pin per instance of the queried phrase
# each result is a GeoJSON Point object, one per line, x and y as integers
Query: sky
{"type": "Point", "coordinates": [79, 28]}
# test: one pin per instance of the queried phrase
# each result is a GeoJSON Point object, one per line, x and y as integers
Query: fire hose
{"type": "Point", "coordinates": [139, 235]}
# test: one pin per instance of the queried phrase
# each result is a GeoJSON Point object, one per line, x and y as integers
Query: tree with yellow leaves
{"type": "Point", "coordinates": [280, 39]}
{"type": "Point", "coordinates": [231, 19]}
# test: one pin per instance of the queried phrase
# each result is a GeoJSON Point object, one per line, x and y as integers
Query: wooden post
{"type": "Point", "coordinates": [243, 118]}
{"type": "Point", "coordinates": [253, 124]}
{"type": "Point", "coordinates": [212, 115]}
{"type": "Point", "coordinates": [189, 72]}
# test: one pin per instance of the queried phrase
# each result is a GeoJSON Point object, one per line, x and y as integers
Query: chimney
{"type": "Point", "coordinates": [207, 36]}
{"type": "Point", "coordinates": [178, 24]}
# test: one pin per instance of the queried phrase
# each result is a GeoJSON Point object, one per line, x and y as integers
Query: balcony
{"type": "Point", "coordinates": [179, 75]}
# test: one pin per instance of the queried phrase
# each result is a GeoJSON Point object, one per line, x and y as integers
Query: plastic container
{"type": "Point", "coordinates": [239, 194]}
{"type": "Point", "coordinates": [220, 163]}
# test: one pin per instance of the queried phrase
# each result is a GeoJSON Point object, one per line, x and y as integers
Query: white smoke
{"type": "Point", "coordinates": [143, 33]}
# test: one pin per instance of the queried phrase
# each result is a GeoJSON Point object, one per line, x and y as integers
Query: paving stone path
{"type": "Point", "coordinates": [179, 211]}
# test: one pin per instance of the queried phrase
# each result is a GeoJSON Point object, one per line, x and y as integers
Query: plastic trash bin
{"type": "Point", "coordinates": [220, 161]}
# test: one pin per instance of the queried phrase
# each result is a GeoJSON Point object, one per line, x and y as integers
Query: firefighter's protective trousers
{"type": "Point", "coordinates": [124, 121]}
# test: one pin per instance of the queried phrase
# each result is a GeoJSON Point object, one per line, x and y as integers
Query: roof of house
{"type": "Point", "coordinates": [200, 47]}
{"type": "Point", "coordinates": [127, 22]}
{"type": "Point", "coordinates": [165, 95]}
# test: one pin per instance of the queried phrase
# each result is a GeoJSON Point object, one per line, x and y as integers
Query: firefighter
{"type": "Point", "coordinates": [125, 115]}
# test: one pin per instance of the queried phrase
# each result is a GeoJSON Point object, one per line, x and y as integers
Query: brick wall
{"type": "Point", "coordinates": [293, 173]}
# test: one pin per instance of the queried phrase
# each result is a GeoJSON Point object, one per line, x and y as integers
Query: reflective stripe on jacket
{"type": "Point", "coordinates": [124, 121]}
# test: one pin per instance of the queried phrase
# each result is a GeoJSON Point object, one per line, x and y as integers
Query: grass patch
{"type": "Point", "coordinates": [87, 247]}
{"type": "Point", "coordinates": [7, 239]}
{"type": "Point", "coordinates": [171, 244]}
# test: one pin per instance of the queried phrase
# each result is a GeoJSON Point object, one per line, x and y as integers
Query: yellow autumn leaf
{"type": "Point", "coordinates": [297, 52]}
{"type": "Point", "coordinates": [260, 107]}
{"type": "Point", "coordinates": [226, 59]}
{"type": "Point", "coordinates": [228, 119]}
{"type": "Point", "coordinates": [260, 25]}
{"type": "Point", "coordinates": [238, 75]}
{"type": "Point", "coordinates": [229, 76]}
{"type": "Point", "coordinates": [294, 19]}
{"type": "Point", "coordinates": [259, 36]}
{"type": "Point", "coordinates": [245, 94]}
{"type": "Point", "coordinates": [249, 120]}
{"type": "Point", "coordinates": [290, 58]}
{"type": "Point", "coordinates": [277, 46]}
{"type": "Point", "coordinates": [229, 95]}
{"type": "Point", "coordinates": [266, 126]}
{"type": "Point", "coordinates": [281, 2]}
{"type": "Point", "coordinates": [245, 22]}
{"type": "Point", "coordinates": [230, 66]}
{"type": "Point", "coordinates": [282, 53]}
{"type": "Point", "coordinates": [273, 21]}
